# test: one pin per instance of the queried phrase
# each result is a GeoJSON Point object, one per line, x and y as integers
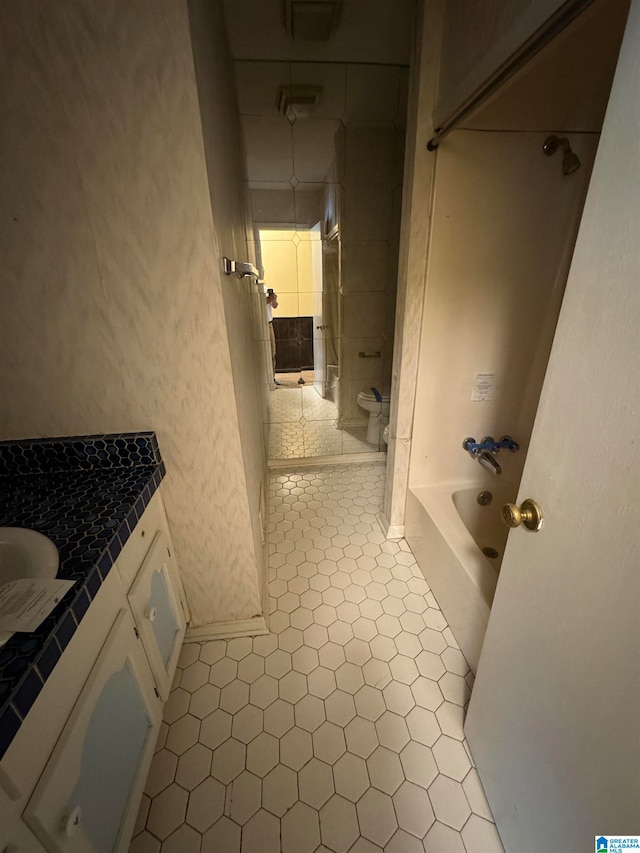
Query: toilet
{"type": "Point", "coordinates": [378, 407]}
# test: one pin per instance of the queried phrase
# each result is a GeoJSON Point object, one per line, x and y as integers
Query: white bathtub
{"type": "Point", "coordinates": [447, 529]}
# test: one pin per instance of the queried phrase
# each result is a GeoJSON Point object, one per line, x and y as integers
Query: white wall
{"type": "Point", "coordinates": [111, 315]}
{"type": "Point", "coordinates": [242, 300]}
{"type": "Point", "coordinates": [504, 221]}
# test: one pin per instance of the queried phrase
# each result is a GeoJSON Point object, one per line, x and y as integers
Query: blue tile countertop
{"type": "Point", "coordinates": [86, 493]}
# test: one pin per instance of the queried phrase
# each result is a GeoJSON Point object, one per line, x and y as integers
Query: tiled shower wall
{"type": "Point", "coordinates": [371, 180]}
{"type": "Point", "coordinates": [113, 307]}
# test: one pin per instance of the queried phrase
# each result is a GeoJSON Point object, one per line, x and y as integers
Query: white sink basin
{"type": "Point", "coordinates": [26, 554]}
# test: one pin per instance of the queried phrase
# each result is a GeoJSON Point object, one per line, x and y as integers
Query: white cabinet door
{"type": "Point", "coordinates": [87, 798]}
{"type": "Point", "coordinates": [156, 608]}
{"type": "Point", "coordinates": [17, 838]}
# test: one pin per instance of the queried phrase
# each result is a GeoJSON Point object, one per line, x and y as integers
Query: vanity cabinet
{"type": "Point", "coordinates": [151, 580]}
{"type": "Point", "coordinates": [82, 803]}
{"type": "Point", "coordinates": [157, 610]}
{"type": "Point", "coordinates": [72, 779]}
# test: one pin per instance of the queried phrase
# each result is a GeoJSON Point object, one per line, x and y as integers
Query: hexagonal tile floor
{"type": "Point", "coordinates": [342, 729]}
{"type": "Point", "coordinates": [302, 424]}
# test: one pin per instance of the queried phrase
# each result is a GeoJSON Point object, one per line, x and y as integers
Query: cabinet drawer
{"type": "Point", "coordinates": [88, 795]}
{"type": "Point", "coordinates": [139, 542]}
{"type": "Point", "coordinates": [155, 603]}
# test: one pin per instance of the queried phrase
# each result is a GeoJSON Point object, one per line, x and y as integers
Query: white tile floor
{"type": "Point", "coordinates": [302, 424]}
{"type": "Point", "coordinates": [341, 730]}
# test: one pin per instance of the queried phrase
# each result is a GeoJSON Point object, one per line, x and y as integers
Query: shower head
{"type": "Point", "coordinates": [570, 160]}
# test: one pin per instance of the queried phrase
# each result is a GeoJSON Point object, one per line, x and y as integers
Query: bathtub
{"type": "Point", "coordinates": [447, 530]}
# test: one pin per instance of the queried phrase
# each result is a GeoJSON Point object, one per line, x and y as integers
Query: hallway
{"type": "Point", "coordinates": [342, 729]}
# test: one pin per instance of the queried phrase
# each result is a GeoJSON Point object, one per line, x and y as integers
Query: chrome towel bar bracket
{"type": "Point", "coordinates": [239, 268]}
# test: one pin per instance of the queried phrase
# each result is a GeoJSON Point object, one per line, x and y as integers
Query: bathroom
{"type": "Point", "coordinates": [118, 315]}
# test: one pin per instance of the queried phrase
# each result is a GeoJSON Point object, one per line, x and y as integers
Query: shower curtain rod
{"type": "Point", "coordinates": [540, 39]}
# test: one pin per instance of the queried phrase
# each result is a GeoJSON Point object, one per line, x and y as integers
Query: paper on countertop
{"type": "Point", "coordinates": [26, 603]}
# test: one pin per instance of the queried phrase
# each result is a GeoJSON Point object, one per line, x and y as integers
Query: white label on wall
{"type": "Point", "coordinates": [482, 388]}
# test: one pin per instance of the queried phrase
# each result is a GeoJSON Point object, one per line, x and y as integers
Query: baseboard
{"type": "Point", "coordinates": [311, 461]}
{"type": "Point", "coordinates": [391, 531]}
{"type": "Point", "coordinates": [227, 630]}
{"type": "Point", "coordinates": [353, 422]}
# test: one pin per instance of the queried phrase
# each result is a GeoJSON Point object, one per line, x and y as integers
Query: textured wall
{"type": "Point", "coordinates": [243, 302]}
{"type": "Point", "coordinates": [111, 296]}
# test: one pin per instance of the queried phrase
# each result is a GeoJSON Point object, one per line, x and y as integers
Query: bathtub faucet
{"type": "Point", "coordinates": [489, 462]}
{"type": "Point", "coordinates": [484, 451]}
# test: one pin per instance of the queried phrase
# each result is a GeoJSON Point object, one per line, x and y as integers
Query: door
{"type": "Point", "coordinates": [331, 314]}
{"type": "Point", "coordinates": [319, 326]}
{"type": "Point", "coordinates": [156, 608]}
{"type": "Point", "coordinates": [554, 720]}
{"type": "Point", "coordinates": [88, 795]}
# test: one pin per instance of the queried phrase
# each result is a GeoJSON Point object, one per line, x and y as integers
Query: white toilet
{"type": "Point", "coordinates": [378, 414]}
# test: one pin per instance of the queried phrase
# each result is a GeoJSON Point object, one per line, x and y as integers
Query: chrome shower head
{"type": "Point", "coordinates": [570, 160]}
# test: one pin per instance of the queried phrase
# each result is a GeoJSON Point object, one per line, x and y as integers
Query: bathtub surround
{"type": "Point", "coordinates": [492, 307]}
{"type": "Point", "coordinates": [447, 530]}
{"type": "Point", "coordinates": [576, 102]}
{"type": "Point", "coordinates": [114, 310]}
{"type": "Point", "coordinates": [86, 493]}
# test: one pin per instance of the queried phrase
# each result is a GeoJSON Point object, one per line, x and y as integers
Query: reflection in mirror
{"type": "Point", "coordinates": [324, 195]}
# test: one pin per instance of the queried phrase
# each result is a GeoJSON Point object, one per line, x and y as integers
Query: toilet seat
{"type": "Point", "coordinates": [378, 408]}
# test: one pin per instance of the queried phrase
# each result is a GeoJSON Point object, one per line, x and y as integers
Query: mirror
{"type": "Point", "coordinates": [324, 145]}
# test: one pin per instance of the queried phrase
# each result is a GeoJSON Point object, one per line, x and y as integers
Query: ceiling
{"type": "Point", "coordinates": [373, 31]}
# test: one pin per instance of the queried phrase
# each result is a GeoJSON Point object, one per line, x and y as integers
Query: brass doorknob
{"type": "Point", "coordinates": [529, 514]}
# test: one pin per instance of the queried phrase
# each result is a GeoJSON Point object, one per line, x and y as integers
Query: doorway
{"type": "Point", "coordinates": [303, 415]}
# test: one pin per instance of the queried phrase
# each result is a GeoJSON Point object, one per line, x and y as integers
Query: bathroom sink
{"type": "Point", "coordinates": [26, 554]}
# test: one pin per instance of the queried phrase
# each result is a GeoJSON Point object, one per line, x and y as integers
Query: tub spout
{"type": "Point", "coordinates": [489, 462]}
